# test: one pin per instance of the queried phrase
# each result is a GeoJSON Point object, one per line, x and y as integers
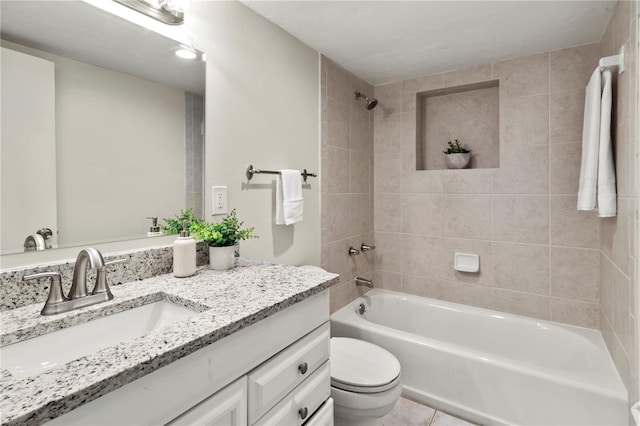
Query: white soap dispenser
{"type": "Point", "coordinates": [184, 254]}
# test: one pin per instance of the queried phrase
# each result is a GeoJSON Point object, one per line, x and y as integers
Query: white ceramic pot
{"type": "Point", "coordinates": [221, 258]}
{"type": "Point", "coordinates": [458, 160]}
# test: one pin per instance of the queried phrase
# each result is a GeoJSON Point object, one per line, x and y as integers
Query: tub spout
{"type": "Point", "coordinates": [364, 282]}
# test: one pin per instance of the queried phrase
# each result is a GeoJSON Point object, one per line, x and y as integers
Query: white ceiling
{"type": "Point", "coordinates": [385, 41]}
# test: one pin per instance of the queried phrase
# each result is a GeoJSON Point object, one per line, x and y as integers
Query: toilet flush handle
{"type": "Point", "coordinates": [303, 368]}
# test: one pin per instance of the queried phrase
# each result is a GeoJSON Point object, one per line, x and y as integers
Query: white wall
{"type": "Point", "coordinates": [28, 148]}
{"type": "Point", "coordinates": [117, 137]}
{"type": "Point", "coordinates": [262, 107]}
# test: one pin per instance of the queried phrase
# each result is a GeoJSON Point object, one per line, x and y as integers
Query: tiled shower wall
{"type": "Point", "coordinates": [618, 254]}
{"type": "Point", "coordinates": [346, 161]}
{"type": "Point", "coordinates": [539, 257]}
{"type": "Point", "coordinates": [194, 148]}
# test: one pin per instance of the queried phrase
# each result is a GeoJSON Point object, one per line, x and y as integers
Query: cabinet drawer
{"type": "Point", "coordinates": [270, 382]}
{"type": "Point", "coordinates": [300, 404]}
{"type": "Point", "coordinates": [324, 416]}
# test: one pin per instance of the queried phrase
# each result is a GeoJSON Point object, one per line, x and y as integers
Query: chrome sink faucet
{"type": "Point", "coordinates": [78, 296]}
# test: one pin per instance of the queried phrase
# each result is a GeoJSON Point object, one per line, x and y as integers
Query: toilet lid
{"type": "Point", "coordinates": [360, 366]}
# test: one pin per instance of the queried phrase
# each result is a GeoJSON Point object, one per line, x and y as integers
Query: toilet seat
{"type": "Point", "coordinates": [362, 367]}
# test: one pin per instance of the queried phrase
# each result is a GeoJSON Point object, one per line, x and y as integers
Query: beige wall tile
{"type": "Point", "coordinates": [409, 132]}
{"type": "Point", "coordinates": [417, 85]}
{"type": "Point", "coordinates": [621, 22]}
{"type": "Point", "coordinates": [360, 165]}
{"type": "Point", "coordinates": [574, 312]}
{"type": "Point", "coordinates": [324, 248]}
{"type": "Point", "coordinates": [388, 280]}
{"type": "Point", "coordinates": [521, 218]}
{"type": "Point", "coordinates": [337, 124]}
{"type": "Point", "coordinates": [359, 128]}
{"type": "Point", "coordinates": [468, 294]}
{"type": "Point", "coordinates": [360, 214]}
{"type": "Point", "coordinates": [339, 296]}
{"type": "Point", "coordinates": [621, 246]}
{"type": "Point", "coordinates": [422, 214]}
{"type": "Point", "coordinates": [339, 216]}
{"type": "Point", "coordinates": [388, 252]}
{"type": "Point", "coordinates": [481, 248]}
{"type": "Point", "coordinates": [524, 120]}
{"type": "Point", "coordinates": [389, 98]}
{"type": "Point", "coordinates": [468, 181]}
{"type": "Point", "coordinates": [413, 284]}
{"type": "Point", "coordinates": [523, 170]}
{"type": "Point", "coordinates": [564, 168]}
{"type": "Point", "coordinates": [387, 170]}
{"type": "Point", "coordinates": [467, 216]}
{"type": "Point", "coordinates": [323, 137]}
{"type": "Point", "coordinates": [422, 255]}
{"type": "Point", "coordinates": [571, 68]}
{"type": "Point", "coordinates": [575, 274]}
{"type": "Point", "coordinates": [387, 134]}
{"type": "Point", "coordinates": [523, 76]}
{"type": "Point", "coordinates": [623, 160]}
{"type": "Point", "coordinates": [468, 75]}
{"type": "Point", "coordinates": [338, 178]}
{"type": "Point", "coordinates": [621, 318]}
{"type": "Point", "coordinates": [566, 117]}
{"type": "Point", "coordinates": [521, 267]}
{"type": "Point", "coordinates": [338, 259]}
{"type": "Point", "coordinates": [430, 181]}
{"type": "Point", "coordinates": [338, 82]}
{"type": "Point", "coordinates": [527, 304]}
{"type": "Point", "coordinates": [570, 227]}
{"type": "Point", "coordinates": [606, 287]}
{"type": "Point", "coordinates": [387, 209]}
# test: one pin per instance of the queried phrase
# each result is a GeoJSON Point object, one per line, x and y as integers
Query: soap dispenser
{"type": "Point", "coordinates": [154, 229]}
{"type": "Point", "coordinates": [184, 254]}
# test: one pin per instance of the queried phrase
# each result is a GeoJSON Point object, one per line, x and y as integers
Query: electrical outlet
{"type": "Point", "coordinates": [219, 200]}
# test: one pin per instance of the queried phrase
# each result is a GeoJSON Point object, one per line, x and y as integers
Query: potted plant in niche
{"type": "Point", "coordinates": [457, 156]}
{"type": "Point", "coordinates": [221, 238]}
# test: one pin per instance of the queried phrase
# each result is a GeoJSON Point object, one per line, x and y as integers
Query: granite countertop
{"type": "Point", "coordinates": [227, 301]}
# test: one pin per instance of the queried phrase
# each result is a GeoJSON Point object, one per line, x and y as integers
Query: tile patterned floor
{"type": "Point", "coordinates": [409, 413]}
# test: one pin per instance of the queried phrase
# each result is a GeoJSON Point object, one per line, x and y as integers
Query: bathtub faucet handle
{"type": "Point", "coordinates": [366, 247]}
{"type": "Point", "coordinates": [353, 251]}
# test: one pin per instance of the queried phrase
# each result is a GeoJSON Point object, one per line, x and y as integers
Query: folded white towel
{"type": "Point", "coordinates": [289, 201]}
{"type": "Point", "coordinates": [597, 188]}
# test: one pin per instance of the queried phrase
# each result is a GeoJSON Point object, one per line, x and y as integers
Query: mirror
{"type": "Point", "coordinates": [102, 125]}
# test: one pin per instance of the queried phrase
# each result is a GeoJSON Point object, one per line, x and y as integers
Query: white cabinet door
{"type": "Point", "coordinates": [227, 407]}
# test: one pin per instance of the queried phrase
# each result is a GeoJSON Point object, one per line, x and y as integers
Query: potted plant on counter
{"type": "Point", "coordinates": [457, 156]}
{"type": "Point", "coordinates": [221, 238]}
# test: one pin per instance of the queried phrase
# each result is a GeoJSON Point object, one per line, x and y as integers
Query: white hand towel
{"type": "Point", "coordinates": [289, 201]}
{"type": "Point", "coordinates": [606, 203]}
{"type": "Point", "coordinates": [597, 174]}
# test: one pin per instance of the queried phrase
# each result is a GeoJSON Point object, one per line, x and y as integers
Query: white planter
{"type": "Point", "coordinates": [221, 258]}
{"type": "Point", "coordinates": [457, 160]}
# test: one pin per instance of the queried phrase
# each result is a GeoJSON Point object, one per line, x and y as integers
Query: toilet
{"type": "Point", "coordinates": [365, 382]}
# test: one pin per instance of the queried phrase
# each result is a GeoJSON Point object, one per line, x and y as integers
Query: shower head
{"type": "Point", "coordinates": [371, 103]}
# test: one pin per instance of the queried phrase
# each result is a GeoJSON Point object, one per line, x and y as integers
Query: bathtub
{"type": "Point", "coordinates": [490, 367]}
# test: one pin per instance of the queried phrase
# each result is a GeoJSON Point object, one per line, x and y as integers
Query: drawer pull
{"type": "Point", "coordinates": [303, 413]}
{"type": "Point", "coordinates": [303, 369]}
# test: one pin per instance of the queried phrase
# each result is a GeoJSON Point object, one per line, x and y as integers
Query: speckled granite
{"type": "Point", "coordinates": [228, 301]}
{"type": "Point", "coordinates": [140, 264]}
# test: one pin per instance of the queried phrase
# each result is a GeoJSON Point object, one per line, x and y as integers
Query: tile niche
{"type": "Point", "coordinates": [469, 113]}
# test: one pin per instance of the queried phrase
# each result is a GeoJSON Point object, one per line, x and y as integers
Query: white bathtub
{"type": "Point", "coordinates": [491, 367]}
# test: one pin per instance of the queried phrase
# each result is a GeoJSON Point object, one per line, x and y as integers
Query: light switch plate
{"type": "Point", "coordinates": [219, 203]}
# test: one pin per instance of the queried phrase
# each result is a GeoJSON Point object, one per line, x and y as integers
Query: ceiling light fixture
{"type": "Point", "coordinates": [168, 11]}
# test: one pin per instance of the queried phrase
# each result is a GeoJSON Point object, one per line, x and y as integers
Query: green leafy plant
{"type": "Point", "coordinates": [454, 147]}
{"type": "Point", "coordinates": [174, 226]}
{"type": "Point", "coordinates": [225, 233]}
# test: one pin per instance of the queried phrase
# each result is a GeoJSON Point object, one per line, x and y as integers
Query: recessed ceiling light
{"type": "Point", "coordinates": [185, 53]}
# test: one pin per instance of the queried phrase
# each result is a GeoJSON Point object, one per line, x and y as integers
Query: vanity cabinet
{"type": "Point", "coordinates": [275, 371]}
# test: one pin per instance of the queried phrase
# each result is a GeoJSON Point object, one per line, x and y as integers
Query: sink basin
{"type": "Point", "coordinates": [33, 356]}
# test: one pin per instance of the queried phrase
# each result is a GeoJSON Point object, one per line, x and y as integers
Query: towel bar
{"type": "Point", "coordinates": [614, 61]}
{"type": "Point", "coordinates": [251, 171]}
